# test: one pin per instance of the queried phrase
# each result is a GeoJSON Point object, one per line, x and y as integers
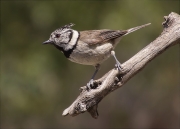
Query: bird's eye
{"type": "Point", "coordinates": [57, 35]}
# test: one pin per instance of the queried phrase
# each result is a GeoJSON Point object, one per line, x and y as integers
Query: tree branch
{"type": "Point", "coordinates": [88, 100]}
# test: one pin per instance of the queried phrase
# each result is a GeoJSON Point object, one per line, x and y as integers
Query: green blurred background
{"type": "Point", "coordinates": [38, 82]}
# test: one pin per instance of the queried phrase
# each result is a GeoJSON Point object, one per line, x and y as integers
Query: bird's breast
{"type": "Point", "coordinates": [91, 54]}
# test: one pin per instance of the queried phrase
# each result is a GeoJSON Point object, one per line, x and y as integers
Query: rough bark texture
{"type": "Point", "coordinates": [88, 100]}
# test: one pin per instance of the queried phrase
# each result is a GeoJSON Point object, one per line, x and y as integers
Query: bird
{"type": "Point", "coordinates": [88, 47]}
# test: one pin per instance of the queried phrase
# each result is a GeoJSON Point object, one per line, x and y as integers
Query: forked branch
{"type": "Point", "coordinates": [112, 80]}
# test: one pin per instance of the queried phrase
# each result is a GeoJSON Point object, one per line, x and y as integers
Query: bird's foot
{"type": "Point", "coordinates": [118, 65]}
{"type": "Point", "coordinates": [90, 84]}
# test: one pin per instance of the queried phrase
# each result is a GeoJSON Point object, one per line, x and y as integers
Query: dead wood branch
{"type": "Point", "coordinates": [88, 100]}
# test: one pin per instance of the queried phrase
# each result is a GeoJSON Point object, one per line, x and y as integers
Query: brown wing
{"type": "Point", "coordinates": [100, 36]}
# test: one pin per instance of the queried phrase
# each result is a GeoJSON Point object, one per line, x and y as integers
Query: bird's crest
{"type": "Point", "coordinates": [67, 26]}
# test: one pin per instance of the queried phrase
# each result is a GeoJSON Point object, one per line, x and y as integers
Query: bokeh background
{"type": "Point", "coordinates": [38, 82]}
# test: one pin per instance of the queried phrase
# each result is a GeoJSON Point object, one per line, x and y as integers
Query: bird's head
{"type": "Point", "coordinates": [61, 36]}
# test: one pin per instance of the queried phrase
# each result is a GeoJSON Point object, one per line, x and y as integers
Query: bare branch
{"type": "Point", "coordinates": [88, 100]}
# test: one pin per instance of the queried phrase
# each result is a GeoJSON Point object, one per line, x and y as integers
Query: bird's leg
{"type": "Point", "coordinates": [118, 64]}
{"type": "Point", "coordinates": [90, 83]}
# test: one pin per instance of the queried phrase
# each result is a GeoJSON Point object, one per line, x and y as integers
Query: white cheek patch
{"type": "Point", "coordinates": [75, 36]}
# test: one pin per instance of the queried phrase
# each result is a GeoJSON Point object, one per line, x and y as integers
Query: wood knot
{"type": "Point", "coordinates": [167, 22]}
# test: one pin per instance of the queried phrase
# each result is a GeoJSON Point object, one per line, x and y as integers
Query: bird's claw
{"type": "Point", "coordinates": [118, 65]}
{"type": "Point", "coordinates": [90, 84]}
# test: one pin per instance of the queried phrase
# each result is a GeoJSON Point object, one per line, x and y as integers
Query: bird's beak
{"type": "Point", "coordinates": [47, 42]}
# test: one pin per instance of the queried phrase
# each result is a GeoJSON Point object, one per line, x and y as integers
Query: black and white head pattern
{"type": "Point", "coordinates": [65, 37]}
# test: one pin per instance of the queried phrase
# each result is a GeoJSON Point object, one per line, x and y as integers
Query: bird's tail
{"type": "Point", "coordinates": [136, 28]}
